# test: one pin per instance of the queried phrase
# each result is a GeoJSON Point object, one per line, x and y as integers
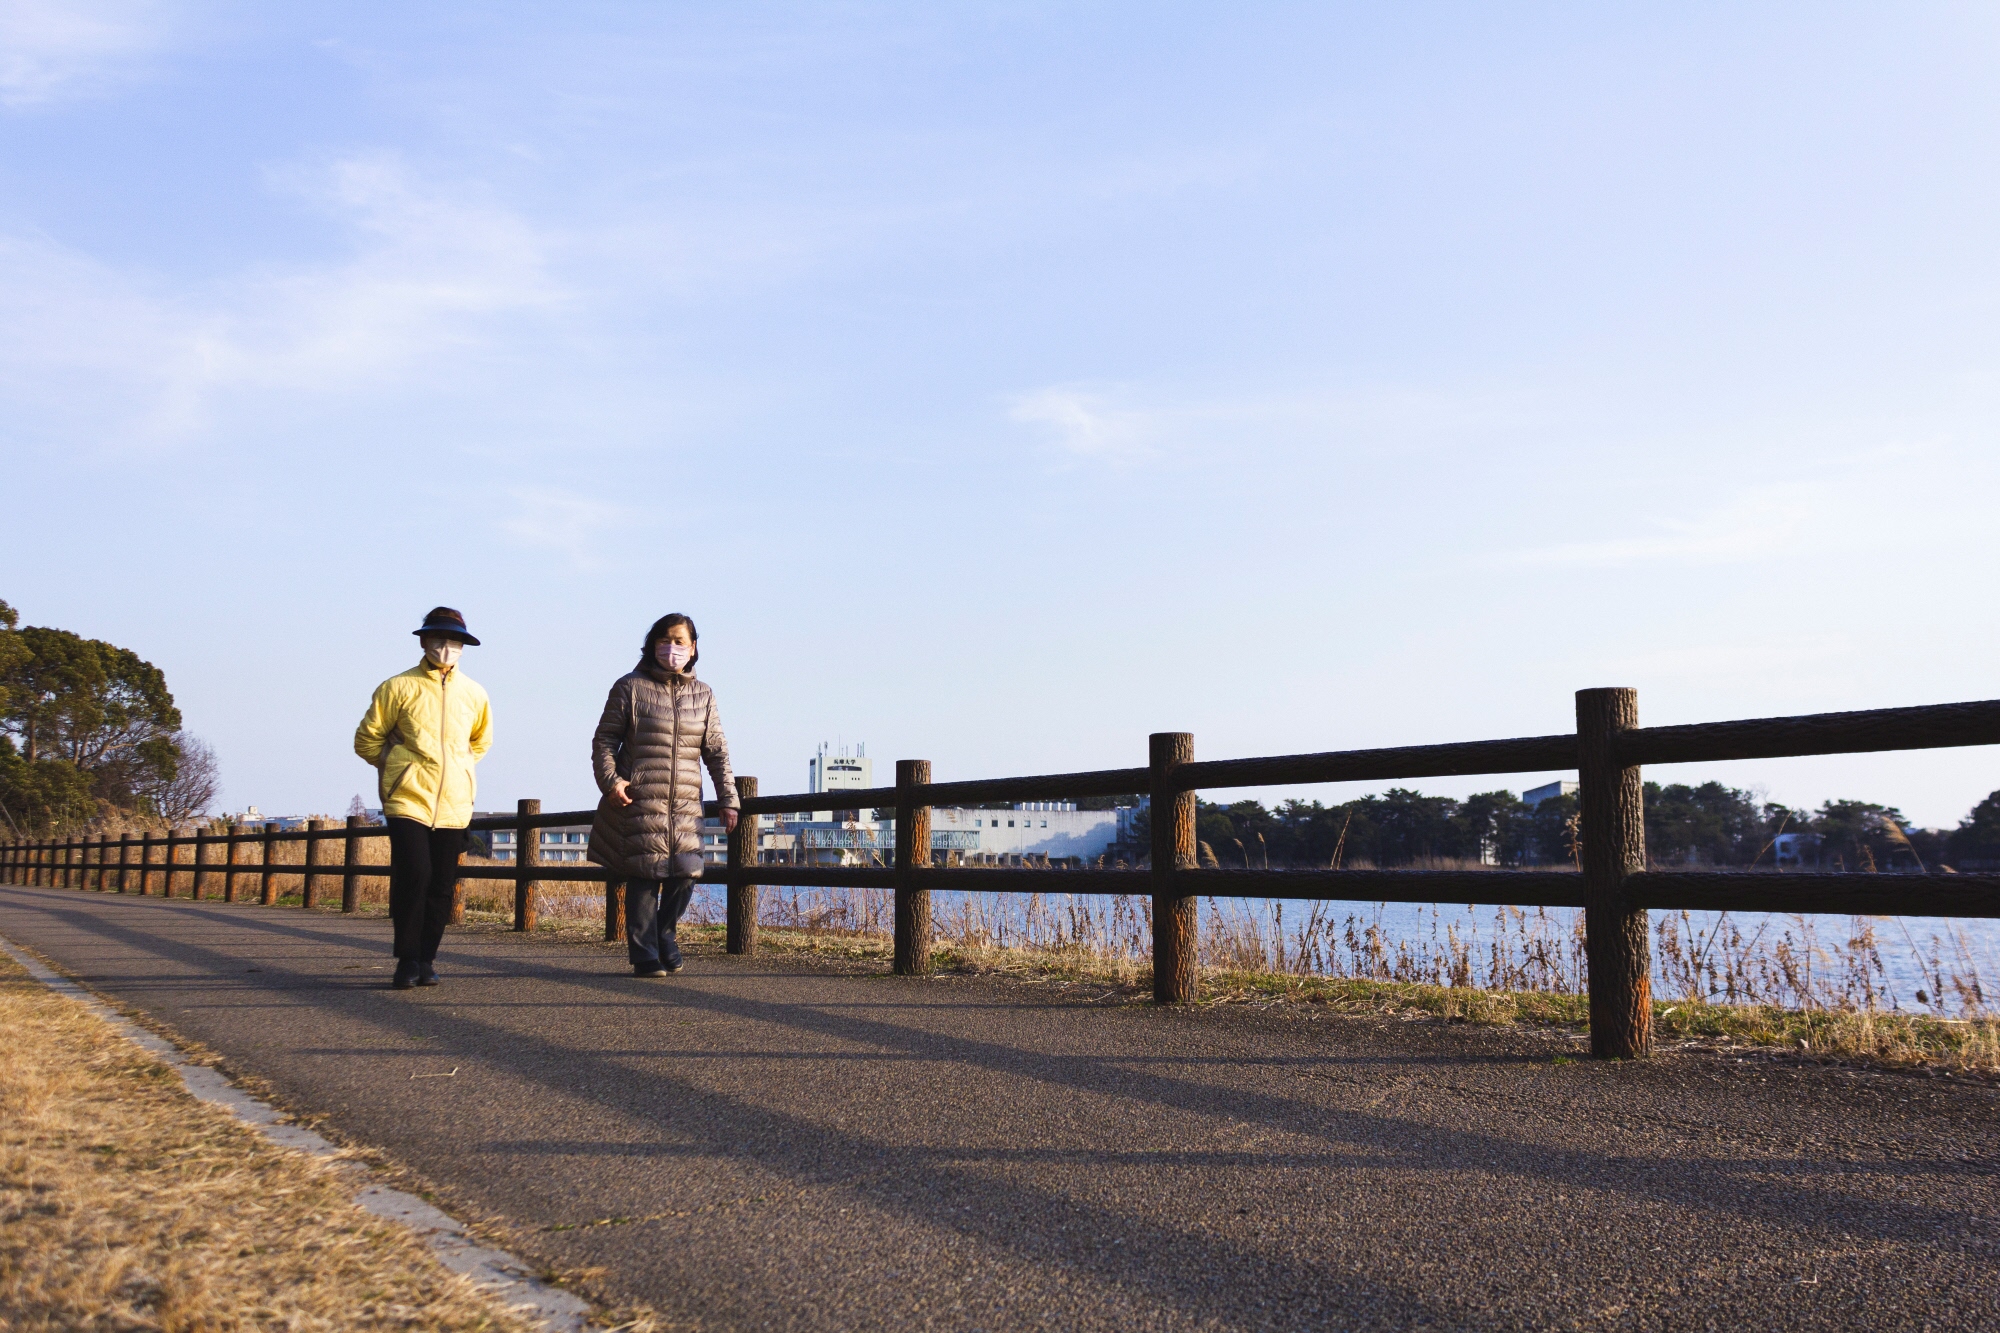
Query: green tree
{"type": "Point", "coordinates": [1548, 835]}
{"type": "Point", "coordinates": [1487, 822]}
{"type": "Point", "coordinates": [1706, 825]}
{"type": "Point", "coordinates": [1977, 837]}
{"type": "Point", "coordinates": [42, 795]}
{"type": "Point", "coordinates": [100, 709]}
{"type": "Point", "coordinates": [1852, 836]}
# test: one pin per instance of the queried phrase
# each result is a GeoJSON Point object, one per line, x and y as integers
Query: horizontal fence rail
{"type": "Point", "coordinates": [1614, 887]}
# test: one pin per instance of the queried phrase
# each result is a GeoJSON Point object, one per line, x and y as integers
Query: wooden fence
{"type": "Point", "coordinates": [1615, 889]}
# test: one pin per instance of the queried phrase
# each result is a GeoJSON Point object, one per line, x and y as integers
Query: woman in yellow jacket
{"type": "Point", "coordinates": [424, 730]}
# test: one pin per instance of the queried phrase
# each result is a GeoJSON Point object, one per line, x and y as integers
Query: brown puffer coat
{"type": "Point", "coordinates": [659, 727]}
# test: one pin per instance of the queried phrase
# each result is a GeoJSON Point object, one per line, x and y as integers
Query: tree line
{"type": "Point", "coordinates": [89, 734]}
{"type": "Point", "coordinates": [1706, 825]}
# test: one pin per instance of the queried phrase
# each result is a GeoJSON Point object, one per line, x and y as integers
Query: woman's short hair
{"type": "Point", "coordinates": [659, 631]}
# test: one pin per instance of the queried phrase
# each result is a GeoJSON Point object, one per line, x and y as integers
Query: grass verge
{"type": "Point", "coordinates": [127, 1204]}
{"type": "Point", "coordinates": [1874, 1037]}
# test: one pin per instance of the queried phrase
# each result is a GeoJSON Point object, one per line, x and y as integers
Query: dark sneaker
{"type": "Point", "coordinates": [648, 970]}
{"type": "Point", "coordinates": [427, 975]}
{"type": "Point", "coordinates": [406, 975]}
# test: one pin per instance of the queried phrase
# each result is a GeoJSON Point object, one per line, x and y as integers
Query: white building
{"type": "Point", "coordinates": [1031, 832]}
{"type": "Point", "coordinates": [558, 844]}
{"type": "Point", "coordinates": [1548, 791]}
{"type": "Point", "coordinates": [839, 772]}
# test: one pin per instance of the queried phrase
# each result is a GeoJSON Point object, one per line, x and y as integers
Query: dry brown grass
{"type": "Point", "coordinates": [125, 1204]}
{"type": "Point", "coordinates": [1842, 1034]}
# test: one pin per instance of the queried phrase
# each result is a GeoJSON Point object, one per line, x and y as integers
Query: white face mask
{"type": "Point", "coordinates": [440, 652]}
{"type": "Point", "coordinates": [672, 656]}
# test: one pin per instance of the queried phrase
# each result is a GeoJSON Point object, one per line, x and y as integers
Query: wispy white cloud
{"type": "Point", "coordinates": [583, 528]}
{"type": "Point", "coordinates": [431, 267]}
{"type": "Point", "coordinates": [57, 49]}
{"type": "Point", "coordinates": [1750, 527]}
{"type": "Point", "coordinates": [1083, 425]}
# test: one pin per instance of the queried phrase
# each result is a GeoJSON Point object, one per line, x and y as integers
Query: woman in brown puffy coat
{"type": "Point", "coordinates": [659, 728]}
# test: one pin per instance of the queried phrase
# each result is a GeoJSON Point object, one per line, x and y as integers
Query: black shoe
{"type": "Point", "coordinates": [427, 974]}
{"type": "Point", "coordinates": [406, 975]}
{"type": "Point", "coordinates": [673, 964]}
{"type": "Point", "coordinates": [648, 970]}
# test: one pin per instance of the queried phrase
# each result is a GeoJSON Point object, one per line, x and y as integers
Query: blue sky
{"type": "Point", "coordinates": [997, 384]}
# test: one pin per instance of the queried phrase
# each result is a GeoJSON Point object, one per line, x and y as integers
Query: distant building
{"type": "Point", "coordinates": [1533, 798]}
{"type": "Point", "coordinates": [835, 772]}
{"type": "Point", "coordinates": [569, 843]}
{"type": "Point", "coordinates": [1796, 850]}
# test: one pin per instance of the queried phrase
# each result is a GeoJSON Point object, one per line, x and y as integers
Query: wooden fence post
{"type": "Point", "coordinates": [1616, 947]}
{"type": "Point", "coordinates": [232, 852]}
{"type": "Point", "coordinates": [308, 881]}
{"type": "Point", "coordinates": [913, 852]}
{"type": "Point", "coordinates": [124, 858]}
{"type": "Point", "coordinates": [145, 863]}
{"type": "Point", "coordinates": [103, 862]}
{"type": "Point", "coordinates": [76, 858]}
{"type": "Point", "coordinates": [527, 855]}
{"type": "Point", "coordinates": [267, 890]}
{"type": "Point", "coordinates": [350, 874]}
{"type": "Point", "coordinates": [204, 835]}
{"type": "Point", "coordinates": [172, 849]}
{"type": "Point", "coordinates": [741, 931]}
{"type": "Point", "coordinates": [1176, 961]}
{"type": "Point", "coordinates": [69, 858]}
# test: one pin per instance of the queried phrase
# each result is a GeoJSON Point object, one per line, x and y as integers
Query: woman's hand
{"type": "Point", "coordinates": [729, 818]}
{"type": "Point", "coordinates": [619, 794]}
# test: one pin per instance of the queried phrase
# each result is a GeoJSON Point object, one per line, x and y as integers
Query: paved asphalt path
{"type": "Point", "coordinates": [790, 1147]}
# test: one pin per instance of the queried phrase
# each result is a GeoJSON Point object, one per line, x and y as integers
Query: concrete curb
{"type": "Point", "coordinates": [495, 1272]}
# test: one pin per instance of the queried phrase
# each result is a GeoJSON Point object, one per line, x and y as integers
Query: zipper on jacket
{"type": "Point", "coordinates": [673, 760]}
{"type": "Point", "coordinates": [444, 742]}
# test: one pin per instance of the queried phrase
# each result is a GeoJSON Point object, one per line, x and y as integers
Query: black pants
{"type": "Point", "coordinates": [653, 909]}
{"type": "Point", "coordinates": [423, 869]}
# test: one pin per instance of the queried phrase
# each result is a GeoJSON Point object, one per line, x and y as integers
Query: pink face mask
{"type": "Point", "coordinates": [672, 656]}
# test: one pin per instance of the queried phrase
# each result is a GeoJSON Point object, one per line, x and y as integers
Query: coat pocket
{"type": "Point", "coordinates": [397, 767]}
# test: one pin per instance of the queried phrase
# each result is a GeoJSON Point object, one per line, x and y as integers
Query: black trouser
{"type": "Point", "coordinates": [423, 870]}
{"type": "Point", "coordinates": [653, 908]}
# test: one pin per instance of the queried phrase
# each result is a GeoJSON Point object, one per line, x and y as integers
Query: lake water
{"type": "Point", "coordinates": [1926, 964]}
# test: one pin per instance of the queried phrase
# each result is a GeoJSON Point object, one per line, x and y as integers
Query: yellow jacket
{"type": "Point", "coordinates": [425, 730]}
